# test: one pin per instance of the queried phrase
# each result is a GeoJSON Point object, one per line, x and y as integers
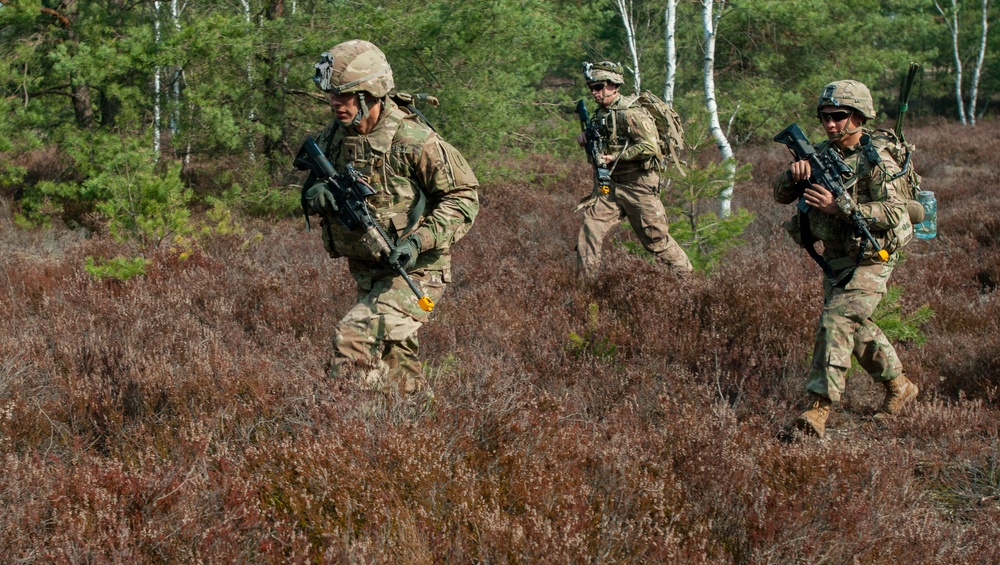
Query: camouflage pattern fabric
{"type": "Point", "coordinates": [632, 138]}
{"type": "Point", "coordinates": [377, 338]}
{"type": "Point", "coordinates": [871, 189]}
{"type": "Point", "coordinates": [401, 158]}
{"type": "Point", "coordinates": [845, 325]}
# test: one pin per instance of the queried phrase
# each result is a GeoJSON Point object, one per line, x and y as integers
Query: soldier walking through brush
{"type": "Point", "coordinates": [857, 273]}
{"type": "Point", "coordinates": [629, 151]}
{"type": "Point", "coordinates": [422, 200]}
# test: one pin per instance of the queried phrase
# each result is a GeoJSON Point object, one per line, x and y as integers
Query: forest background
{"type": "Point", "coordinates": [166, 319]}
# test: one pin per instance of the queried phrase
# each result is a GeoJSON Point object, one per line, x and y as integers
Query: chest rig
{"type": "Point", "coordinates": [610, 124]}
{"type": "Point", "coordinates": [398, 202]}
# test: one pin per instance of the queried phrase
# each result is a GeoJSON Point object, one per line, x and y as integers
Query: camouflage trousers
{"type": "Point", "coordinates": [376, 341]}
{"type": "Point", "coordinates": [641, 205]}
{"type": "Point", "coordinates": [846, 328]}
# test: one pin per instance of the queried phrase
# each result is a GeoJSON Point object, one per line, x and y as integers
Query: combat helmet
{"type": "Point", "coordinates": [604, 71]}
{"type": "Point", "coordinates": [355, 66]}
{"type": "Point", "coordinates": [848, 94]}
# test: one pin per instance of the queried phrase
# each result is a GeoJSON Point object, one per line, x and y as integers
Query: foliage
{"type": "Point", "coordinates": [117, 268]}
{"type": "Point", "coordinates": [142, 205]}
{"type": "Point", "coordinates": [186, 415]}
{"type": "Point", "coordinates": [589, 343]}
{"type": "Point", "coordinates": [704, 235]}
{"type": "Point", "coordinates": [898, 326]}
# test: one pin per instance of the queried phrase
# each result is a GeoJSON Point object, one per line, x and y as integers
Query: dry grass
{"type": "Point", "coordinates": [184, 415]}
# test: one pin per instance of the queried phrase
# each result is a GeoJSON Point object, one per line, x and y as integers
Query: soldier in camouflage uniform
{"type": "Point", "coordinates": [630, 151]}
{"type": "Point", "coordinates": [425, 200]}
{"type": "Point", "coordinates": [845, 324]}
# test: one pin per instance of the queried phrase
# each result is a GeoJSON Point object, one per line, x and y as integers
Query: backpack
{"type": "Point", "coordinates": [909, 185]}
{"type": "Point", "coordinates": [669, 129]}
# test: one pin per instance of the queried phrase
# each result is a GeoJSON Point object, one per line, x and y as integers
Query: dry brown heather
{"type": "Point", "coordinates": [185, 415]}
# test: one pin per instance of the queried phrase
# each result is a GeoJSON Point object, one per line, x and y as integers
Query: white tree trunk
{"type": "Point", "coordinates": [974, 93]}
{"type": "Point", "coordinates": [624, 8]}
{"type": "Point", "coordinates": [709, 24]}
{"type": "Point", "coordinates": [953, 28]}
{"type": "Point", "coordinates": [246, 15]}
{"type": "Point", "coordinates": [670, 23]}
{"type": "Point", "coordinates": [156, 84]}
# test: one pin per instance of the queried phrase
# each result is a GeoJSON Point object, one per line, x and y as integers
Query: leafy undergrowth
{"type": "Point", "coordinates": [184, 414]}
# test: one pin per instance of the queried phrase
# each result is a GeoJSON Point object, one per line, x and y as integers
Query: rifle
{"type": "Point", "coordinates": [601, 173]}
{"type": "Point", "coordinates": [350, 190]}
{"type": "Point", "coordinates": [828, 171]}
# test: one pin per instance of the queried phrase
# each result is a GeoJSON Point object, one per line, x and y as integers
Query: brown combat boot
{"type": "Point", "coordinates": [898, 393]}
{"type": "Point", "coordinates": [813, 420]}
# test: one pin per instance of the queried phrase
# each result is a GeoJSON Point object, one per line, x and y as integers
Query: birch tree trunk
{"type": "Point", "coordinates": [709, 23]}
{"type": "Point", "coordinates": [624, 8]}
{"type": "Point", "coordinates": [670, 22]}
{"type": "Point", "coordinates": [976, 73]}
{"type": "Point", "coordinates": [953, 28]}
{"type": "Point", "coordinates": [252, 115]}
{"type": "Point", "coordinates": [156, 83]}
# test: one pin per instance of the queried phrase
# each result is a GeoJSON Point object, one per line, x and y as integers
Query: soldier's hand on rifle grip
{"type": "Point", "coordinates": [799, 171]}
{"type": "Point", "coordinates": [581, 138]}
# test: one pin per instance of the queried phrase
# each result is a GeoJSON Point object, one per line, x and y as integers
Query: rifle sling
{"type": "Point", "coordinates": [809, 242]}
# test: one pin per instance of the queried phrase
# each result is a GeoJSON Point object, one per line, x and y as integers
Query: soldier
{"type": "Point", "coordinates": [630, 152]}
{"type": "Point", "coordinates": [425, 200]}
{"type": "Point", "coordinates": [858, 283]}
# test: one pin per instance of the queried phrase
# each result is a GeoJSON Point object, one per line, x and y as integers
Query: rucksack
{"type": "Point", "coordinates": [669, 129]}
{"type": "Point", "coordinates": [909, 186]}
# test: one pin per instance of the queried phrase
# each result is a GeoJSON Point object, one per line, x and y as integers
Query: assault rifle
{"type": "Point", "coordinates": [601, 173]}
{"type": "Point", "coordinates": [350, 190]}
{"type": "Point", "coordinates": [828, 171]}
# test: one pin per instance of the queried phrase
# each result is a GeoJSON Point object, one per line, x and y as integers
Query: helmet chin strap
{"type": "Point", "coordinates": [364, 110]}
{"type": "Point", "coordinates": [847, 131]}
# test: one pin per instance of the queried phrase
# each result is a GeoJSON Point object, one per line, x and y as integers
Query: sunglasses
{"type": "Point", "coordinates": [834, 116]}
{"type": "Point", "coordinates": [594, 87]}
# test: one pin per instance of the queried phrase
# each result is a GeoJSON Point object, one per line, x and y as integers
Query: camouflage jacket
{"type": "Point", "coordinates": [875, 194]}
{"type": "Point", "coordinates": [410, 167]}
{"type": "Point", "coordinates": [631, 137]}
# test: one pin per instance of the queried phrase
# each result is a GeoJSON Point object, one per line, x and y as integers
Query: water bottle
{"type": "Point", "coordinates": [927, 229]}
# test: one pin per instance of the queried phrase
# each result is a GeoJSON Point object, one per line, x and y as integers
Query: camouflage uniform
{"type": "Point", "coordinates": [631, 137]}
{"type": "Point", "coordinates": [426, 190]}
{"type": "Point", "coordinates": [845, 325]}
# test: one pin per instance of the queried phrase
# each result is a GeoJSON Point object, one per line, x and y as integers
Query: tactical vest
{"type": "Point", "coordinates": [398, 202]}
{"type": "Point", "coordinates": [613, 128]}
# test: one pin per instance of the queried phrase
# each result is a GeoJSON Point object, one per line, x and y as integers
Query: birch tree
{"type": "Point", "coordinates": [669, 24]}
{"type": "Point", "coordinates": [624, 8]}
{"type": "Point", "coordinates": [710, 23]}
{"type": "Point", "coordinates": [977, 72]}
{"type": "Point", "coordinates": [156, 83]}
{"type": "Point", "coordinates": [952, 24]}
{"type": "Point", "coordinates": [966, 113]}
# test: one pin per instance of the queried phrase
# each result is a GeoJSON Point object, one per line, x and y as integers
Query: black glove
{"type": "Point", "coordinates": [405, 253]}
{"type": "Point", "coordinates": [321, 200]}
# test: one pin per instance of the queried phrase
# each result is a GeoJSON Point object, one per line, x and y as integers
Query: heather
{"type": "Point", "coordinates": [184, 414]}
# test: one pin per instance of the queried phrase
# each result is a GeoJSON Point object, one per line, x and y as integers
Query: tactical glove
{"type": "Point", "coordinates": [405, 253]}
{"type": "Point", "coordinates": [321, 200]}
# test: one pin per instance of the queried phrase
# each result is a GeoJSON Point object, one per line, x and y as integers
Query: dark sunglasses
{"type": "Point", "coordinates": [835, 116]}
{"type": "Point", "coordinates": [595, 86]}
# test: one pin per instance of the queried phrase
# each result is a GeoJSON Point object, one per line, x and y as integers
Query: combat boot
{"type": "Point", "coordinates": [813, 420]}
{"type": "Point", "coordinates": [898, 393]}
